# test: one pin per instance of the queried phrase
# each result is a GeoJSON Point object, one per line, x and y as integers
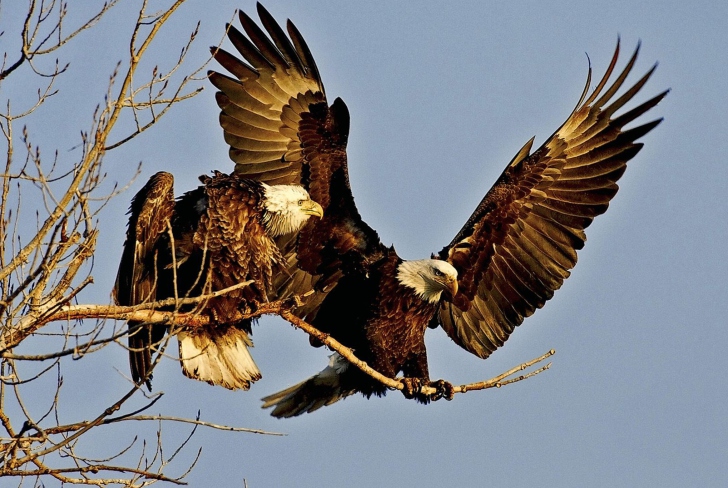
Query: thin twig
{"type": "Point", "coordinates": [202, 423]}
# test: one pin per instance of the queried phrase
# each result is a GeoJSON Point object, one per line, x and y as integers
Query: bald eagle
{"type": "Point", "coordinates": [513, 252]}
{"type": "Point", "coordinates": [211, 238]}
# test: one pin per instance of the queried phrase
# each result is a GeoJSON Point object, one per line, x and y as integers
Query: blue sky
{"type": "Point", "coordinates": [441, 96]}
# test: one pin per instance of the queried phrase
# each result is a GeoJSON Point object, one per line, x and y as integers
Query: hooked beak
{"type": "Point", "coordinates": [453, 288]}
{"type": "Point", "coordinates": [309, 207]}
{"type": "Point", "coordinates": [450, 287]}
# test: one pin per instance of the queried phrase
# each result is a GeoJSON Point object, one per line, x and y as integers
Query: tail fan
{"type": "Point", "coordinates": [219, 357]}
{"type": "Point", "coordinates": [318, 391]}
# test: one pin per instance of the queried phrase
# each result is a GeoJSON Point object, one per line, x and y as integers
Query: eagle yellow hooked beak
{"type": "Point", "coordinates": [309, 207]}
{"type": "Point", "coordinates": [449, 285]}
{"type": "Point", "coordinates": [453, 287]}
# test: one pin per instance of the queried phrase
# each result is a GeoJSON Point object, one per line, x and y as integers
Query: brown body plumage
{"type": "Point", "coordinates": [514, 251]}
{"type": "Point", "coordinates": [214, 237]}
{"type": "Point", "coordinates": [385, 322]}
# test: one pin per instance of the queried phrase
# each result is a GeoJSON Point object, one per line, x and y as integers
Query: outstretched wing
{"type": "Point", "coordinates": [136, 281]}
{"type": "Point", "coordinates": [263, 105]}
{"type": "Point", "coordinates": [281, 130]}
{"type": "Point", "coordinates": [520, 243]}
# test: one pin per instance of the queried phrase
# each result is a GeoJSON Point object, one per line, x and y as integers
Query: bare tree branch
{"type": "Point", "coordinates": [396, 383]}
{"type": "Point", "coordinates": [283, 308]}
{"type": "Point", "coordinates": [203, 423]}
{"type": "Point", "coordinates": [49, 213]}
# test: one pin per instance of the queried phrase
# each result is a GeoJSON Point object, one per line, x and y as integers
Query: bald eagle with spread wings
{"type": "Point", "coordinates": [514, 251]}
{"type": "Point", "coordinates": [210, 239]}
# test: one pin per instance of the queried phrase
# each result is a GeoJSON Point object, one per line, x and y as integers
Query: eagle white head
{"type": "Point", "coordinates": [287, 208]}
{"type": "Point", "coordinates": [429, 278]}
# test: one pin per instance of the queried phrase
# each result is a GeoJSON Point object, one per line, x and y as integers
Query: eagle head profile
{"type": "Point", "coordinates": [287, 208]}
{"type": "Point", "coordinates": [429, 278]}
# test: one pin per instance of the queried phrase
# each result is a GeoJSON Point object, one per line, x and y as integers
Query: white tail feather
{"type": "Point", "coordinates": [319, 390]}
{"type": "Point", "coordinates": [219, 357]}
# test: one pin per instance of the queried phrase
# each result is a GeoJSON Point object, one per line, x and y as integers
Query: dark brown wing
{"type": "Point", "coordinates": [281, 130]}
{"type": "Point", "coordinates": [520, 243]}
{"type": "Point", "coordinates": [136, 281]}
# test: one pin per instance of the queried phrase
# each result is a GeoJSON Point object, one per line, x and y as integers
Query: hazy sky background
{"type": "Point", "coordinates": [442, 95]}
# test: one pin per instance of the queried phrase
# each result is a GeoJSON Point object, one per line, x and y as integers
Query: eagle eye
{"type": "Point", "coordinates": [437, 272]}
{"type": "Point", "coordinates": [300, 202]}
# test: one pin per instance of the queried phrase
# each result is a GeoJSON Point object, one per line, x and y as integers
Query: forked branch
{"type": "Point", "coordinates": [395, 383]}
{"type": "Point", "coordinates": [149, 313]}
{"type": "Point", "coordinates": [50, 207]}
